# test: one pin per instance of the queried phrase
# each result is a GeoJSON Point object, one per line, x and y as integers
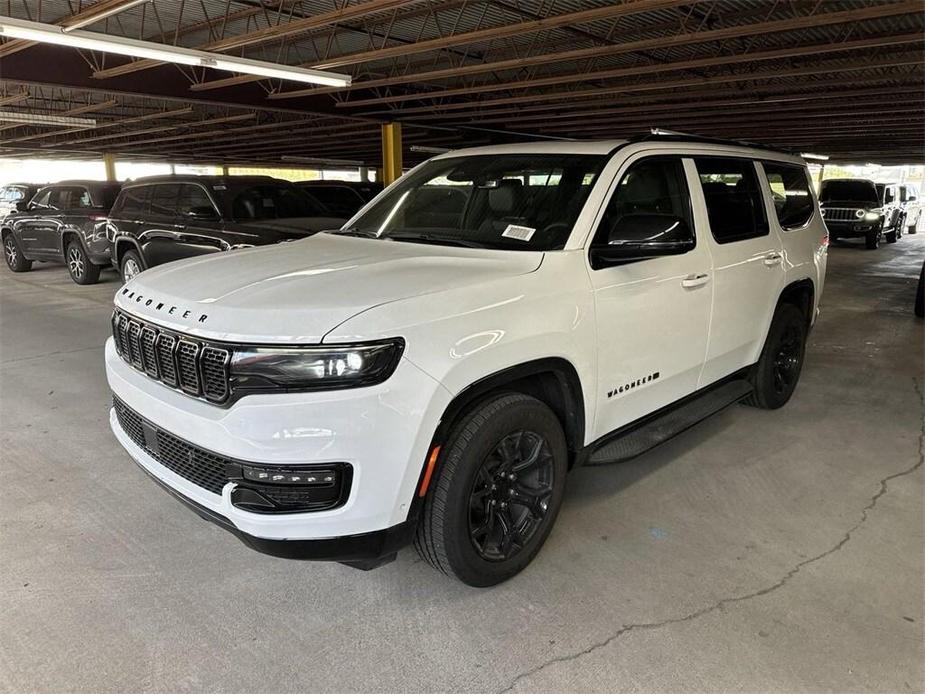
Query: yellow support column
{"type": "Point", "coordinates": [109, 162]}
{"type": "Point", "coordinates": [391, 152]}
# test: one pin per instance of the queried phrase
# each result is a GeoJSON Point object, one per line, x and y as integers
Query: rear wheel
{"type": "Point", "coordinates": [775, 376]}
{"type": "Point", "coordinates": [130, 265]}
{"type": "Point", "coordinates": [497, 493]}
{"type": "Point", "coordinates": [79, 267]}
{"type": "Point", "coordinates": [15, 260]}
{"type": "Point", "coordinates": [872, 240]}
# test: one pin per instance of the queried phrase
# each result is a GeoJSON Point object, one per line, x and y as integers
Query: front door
{"type": "Point", "coordinates": [748, 270]}
{"type": "Point", "coordinates": [653, 315]}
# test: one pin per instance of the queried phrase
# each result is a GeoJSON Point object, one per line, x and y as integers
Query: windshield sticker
{"type": "Point", "coordinates": [517, 232]}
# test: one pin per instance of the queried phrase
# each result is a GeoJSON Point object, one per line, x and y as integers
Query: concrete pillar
{"type": "Point", "coordinates": [391, 152]}
{"type": "Point", "coordinates": [109, 162]}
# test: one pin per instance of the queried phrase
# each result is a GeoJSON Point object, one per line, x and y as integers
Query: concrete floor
{"type": "Point", "coordinates": [760, 551]}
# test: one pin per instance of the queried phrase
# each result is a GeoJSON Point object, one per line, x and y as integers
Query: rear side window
{"type": "Point", "coordinates": [164, 200]}
{"type": "Point", "coordinates": [793, 201]}
{"type": "Point", "coordinates": [193, 197]}
{"type": "Point", "coordinates": [132, 202]}
{"type": "Point", "coordinates": [734, 202]}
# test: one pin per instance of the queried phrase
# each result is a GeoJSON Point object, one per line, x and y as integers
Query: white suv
{"type": "Point", "coordinates": [431, 371]}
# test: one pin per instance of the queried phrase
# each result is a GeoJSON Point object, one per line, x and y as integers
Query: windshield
{"type": "Point", "coordinates": [510, 201]}
{"type": "Point", "coordinates": [848, 191]}
{"type": "Point", "coordinates": [273, 201]}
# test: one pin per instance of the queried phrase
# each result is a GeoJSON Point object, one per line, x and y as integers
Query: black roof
{"type": "Point", "coordinates": [207, 179]}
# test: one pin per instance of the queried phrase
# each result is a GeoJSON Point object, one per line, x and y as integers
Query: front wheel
{"type": "Point", "coordinates": [15, 260]}
{"type": "Point", "coordinates": [497, 492]}
{"type": "Point", "coordinates": [79, 267]}
{"type": "Point", "coordinates": [130, 265]}
{"type": "Point", "coordinates": [775, 376]}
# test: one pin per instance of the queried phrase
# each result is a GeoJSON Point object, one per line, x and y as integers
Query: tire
{"type": "Point", "coordinates": [130, 265]}
{"type": "Point", "coordinates": [890, 237]}
{"type": "Point", "coordinates": [872, 240]}
{"type": "Point", "coordinates": [462, 528]}
{"type": "Point", "coordinates": [775, 376]}
{"type": "Point", "coordinates": [15, 260]}
{"type": "Point", "coordinates": [79, 267]}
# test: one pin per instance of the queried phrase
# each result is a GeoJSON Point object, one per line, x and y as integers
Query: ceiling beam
{"type": "Point", "coordinates": [663, 42]}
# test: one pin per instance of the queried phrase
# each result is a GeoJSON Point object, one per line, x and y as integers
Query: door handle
{"type": "Point", "coordinates": [772, 259]}
{"type": "Point", "coordinates": [692, 281]}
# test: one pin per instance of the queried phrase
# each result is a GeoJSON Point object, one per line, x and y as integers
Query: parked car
{"type": "Point", "coordinates": [164, 218]}
{"type": "Point", "coordinates": [343, 198]}
{"type": "Point", "coordinates": [13, 193]}
{"type": "Point", "coordinates": [63, 223]}
{"type": "Point", "coordinates": [912, 208]}
{"type": "Point", "coordinates": [891, 210]}
{"type": "Point", "coordinates": [851, 208]}
{"type": "Point", "coordinates": [432, 376]}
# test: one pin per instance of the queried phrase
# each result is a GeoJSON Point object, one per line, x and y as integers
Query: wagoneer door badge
{"type": "Point", "coordinates": [178, 311]}
{"type": "Point", "coordinates": [632, 385]}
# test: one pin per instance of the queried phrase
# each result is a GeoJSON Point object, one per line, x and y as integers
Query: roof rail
{"type": "Point", "coordinates": [660, 134]}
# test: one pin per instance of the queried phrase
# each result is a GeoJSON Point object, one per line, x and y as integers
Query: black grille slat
{"type": "Point", "coordinates": [148, 336]}
{"type": "Point", "coordinates": [841, 214]}
{"type": "Point", "coordinates": [214, 367]}
{"type": "Point", "coordinates": [198, 369]}
{"type": "Point", "coordinates": [164, 349]}
{"type": "Point", "coordinates": [188, 367]}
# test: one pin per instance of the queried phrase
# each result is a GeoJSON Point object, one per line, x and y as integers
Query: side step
{"type": "Point", "coordinates": [671, 422]}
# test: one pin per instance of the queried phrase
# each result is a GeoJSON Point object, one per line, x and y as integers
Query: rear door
{"type": "Point", "coordinates": [39, 229]}
{"type": "Point", "coordinates": [748, 271]}
{"type": "Point", "coordinates": [160, 232]}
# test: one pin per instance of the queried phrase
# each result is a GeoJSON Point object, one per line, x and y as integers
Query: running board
{"type": "Point", "coordinates": [670, 423]}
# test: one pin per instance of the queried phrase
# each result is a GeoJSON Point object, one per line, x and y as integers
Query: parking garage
{"type": "Point", "coordinates": [223, 171]}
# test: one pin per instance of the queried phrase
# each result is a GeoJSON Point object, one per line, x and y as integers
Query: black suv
{"type": "Point", "coordinates": [343, 198]}
{"type": "Point", "coordinates": [65, 223]}
{"type": "Point", "coordinates": [163, 218]}
{"type": "Point", "coordinates": [851, 208]}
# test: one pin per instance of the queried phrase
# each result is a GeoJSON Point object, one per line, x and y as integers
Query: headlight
{"type": "Point", "coordinates": [871, 217]}
{"type": "Point", "coordinates": [324, 367]}
{"type": "Point", "coordinates": [859, 213]}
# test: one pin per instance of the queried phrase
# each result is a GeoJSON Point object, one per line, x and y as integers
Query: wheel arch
{"type": "Point", "coordinates": [802, 294]}
{"type": "Point", "coordinates": [120, 245]}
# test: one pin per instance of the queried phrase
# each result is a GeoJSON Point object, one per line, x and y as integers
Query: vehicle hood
{"type": "Point", "coordinates": [297, 292]}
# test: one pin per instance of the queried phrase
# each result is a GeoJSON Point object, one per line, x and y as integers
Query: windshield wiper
{"type": "Point", "coordinates": [415, 237]}
{"type": "Point", "coordinates": [356, 231]}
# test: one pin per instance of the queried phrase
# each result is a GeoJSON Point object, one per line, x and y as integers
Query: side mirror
{"type": "Point", "coordinates": [642, 236]}
{"type": "Point", "coordinates": [204, 213]}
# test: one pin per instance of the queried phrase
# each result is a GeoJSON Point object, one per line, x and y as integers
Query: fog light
{"type": "Point", "coordinates": [271, 476]}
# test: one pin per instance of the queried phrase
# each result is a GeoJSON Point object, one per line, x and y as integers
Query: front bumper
{"type": "Point", "coordinates": [383, 432]}
{"type": "Point", "coordinates": [850, 229]}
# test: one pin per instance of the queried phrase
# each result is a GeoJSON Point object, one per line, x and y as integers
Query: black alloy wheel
{"type": "Point", "coordinates": [510, 495]}
{"type": "Point", "coordinates": [15, 260]}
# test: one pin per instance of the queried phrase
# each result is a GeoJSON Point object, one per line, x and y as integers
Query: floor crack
{"type": "Point", "coordinates": [719, 605]}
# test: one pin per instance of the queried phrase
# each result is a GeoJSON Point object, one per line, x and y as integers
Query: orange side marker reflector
{"type": "Point", "coordinates": [429, 470]}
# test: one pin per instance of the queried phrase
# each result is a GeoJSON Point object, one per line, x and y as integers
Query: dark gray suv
{"type": "Point", "coordinates": [163, 218]}
{"type": "Point", "coordinates": [65, 223]}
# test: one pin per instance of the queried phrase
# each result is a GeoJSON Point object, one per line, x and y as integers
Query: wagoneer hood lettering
{"type": "Point", "coordinates": [297, 292]}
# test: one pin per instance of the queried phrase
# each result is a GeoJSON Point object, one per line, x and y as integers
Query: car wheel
{"type": "Point", "coordinates": [872, 240]}
{"type": "Point", "coordinates": [497, 492]}
{"type": "Point", "coordinates": [15, 260]}
{"type": "Point", "coordinates": [890, 237]}
{"type": "Point", "coordinates": [130, 265]}
{"type": "Point", "coordinates": [775, 376]}
{"type": "Point", "coordinates": [81, 270]}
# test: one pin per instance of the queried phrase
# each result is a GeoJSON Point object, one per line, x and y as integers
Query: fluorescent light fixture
{"type": "Point", "coordinates": [426, 149]}
{"type": "Point", "coordinates": [39, 119]}
{"type": "Point", "coordinates": [319, 160]}
{"type": "Point", "coordinates": [93, 41]}
{"type": "Point", "coordinates": [810, 155]}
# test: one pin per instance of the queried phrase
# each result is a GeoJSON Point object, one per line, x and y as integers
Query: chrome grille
{"type": "Point", "coordinates": [841, 214]}
{"type": "Point", "coordinates": [198, 369]}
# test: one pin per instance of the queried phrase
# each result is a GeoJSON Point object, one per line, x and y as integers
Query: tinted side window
{"type": "Point", "coordinates": [734, 202]}
{"type": "Point", "coordinates": [42, 199]}
{"type": "Point", "coordinates": [73, 198]}
{"type": "Point", "coordinates": [793, 200]}
{"type": "Point", "coordinates": [164, 200]}
{"type": "Point", "coordinates": [889, 195]}
{"type": "Point", "coordinates": [193, 197]}
{"type": "Point", "coordinates": [132, 202]}
{"type": "Point", "coordinates": [650, 187]}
